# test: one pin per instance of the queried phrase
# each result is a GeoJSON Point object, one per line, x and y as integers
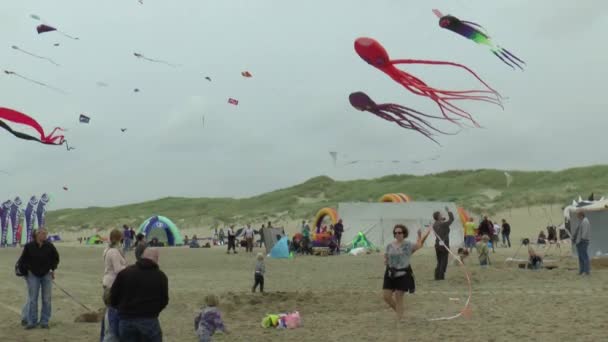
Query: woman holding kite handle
{"type": "Point", "coordinates": [398, 276]}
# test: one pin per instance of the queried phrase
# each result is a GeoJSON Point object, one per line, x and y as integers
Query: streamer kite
{"type": "Point", "coordinates": [8, 72]}
{"type": "Point", "coordinates": [478, 34]}
{"type": "Point", "coordinates": [403, 116]}
{"type": "Point", "coordinates": [374, 53]}
{"type": "Point", "coordinates": [23, 119]}
{"type": "Point", "coordinates": [141, 56]}
{"type": "Point", "coordinates": [15, 47]}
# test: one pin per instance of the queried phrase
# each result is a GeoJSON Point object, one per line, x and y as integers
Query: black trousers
{"type": "Point", "coordinates": [231, 243]}
{"type": "Point", "coordinates": [442, 262]}
{"type": "Point", "coordinates": [258, 280]}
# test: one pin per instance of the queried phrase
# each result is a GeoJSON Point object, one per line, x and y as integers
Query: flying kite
{"type": "Point", "coordinates": [56, 44]}
{"type": "Point", "coordinates": [123, 130]}
{"type": "Point", "coordinates": [509, 178]}
{"type": "Point", "coordinates": [334, 157]}
{"type": "Point", "coordinates": [65, 188]}
{"type": "Point", "coordinates": [233, 101]}
{"type": "Point", "coordinates": [23, 119]}
{"type": "Point", "coordinates": [208, 78]}
{"type": "Point", "coordinates": [84, 119]}
{"type": "Point", "coordinates": [136, 90]}
{"type": "Point", "coordinates": [101, 84]}
{"type": "Point", "coordinates": [43, 28]}
{"type": "Point", "coordinates": [246, 74]}
{"type": "Point", "coordinates": [34, 81]}
{"type": "Point", "coordinates": [403, 116]}
{"type": "Point", "coordinates": [477, 33]}
{"type": "Point", "coordinates": [140, 56]}
{"type": "Point", "coordinates": [15, 47]}
{"type": "Point", "coordinates": [374, 53]}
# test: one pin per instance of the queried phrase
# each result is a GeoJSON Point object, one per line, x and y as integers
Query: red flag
{"type": "Point", "coordinates": [233, 101]}
{"type": "Point", "coordinates": [246, 74]}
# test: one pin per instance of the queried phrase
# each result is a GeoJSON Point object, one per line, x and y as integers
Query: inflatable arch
{"type": "Point", "coordinates": [174, 237]}
{"type": "Point", "coordinates": [326, 212]}
{"type": "Point", "coordinates": [395, 198]}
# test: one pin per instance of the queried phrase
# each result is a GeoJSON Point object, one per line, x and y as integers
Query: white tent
{"type": "Point", "coordinates": [597, 213]}
{"type": "Point", "coordinates": [376, 220]}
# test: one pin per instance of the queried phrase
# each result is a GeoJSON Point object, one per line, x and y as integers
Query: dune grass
{"type": "Point", "coordinates": [477, 190]}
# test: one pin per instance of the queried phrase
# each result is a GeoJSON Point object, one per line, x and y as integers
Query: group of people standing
{"type": "Point", "coordinates": [473, 233]}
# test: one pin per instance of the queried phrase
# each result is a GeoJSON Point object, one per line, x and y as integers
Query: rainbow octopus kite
{"type": "Point", "coordinates": [475, 32]}
{"type": "Point", "coordinates": [23, 119]}
{"type": "Point", "coordinates": [374, 53]}
{"type": "Point", "coordinates": [403, 116]}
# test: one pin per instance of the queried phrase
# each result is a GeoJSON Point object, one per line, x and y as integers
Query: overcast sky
{"type": "Point", "coordinates": [295, 109]}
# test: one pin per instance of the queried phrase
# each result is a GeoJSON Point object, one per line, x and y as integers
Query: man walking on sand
{"type": "Point", "coordinates": [581, 238]}
{"type": "Point", "coordinates": [441, 228]}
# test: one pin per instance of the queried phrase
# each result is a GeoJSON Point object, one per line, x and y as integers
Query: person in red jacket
{"type": "Point", "coordinates": [140, 292]}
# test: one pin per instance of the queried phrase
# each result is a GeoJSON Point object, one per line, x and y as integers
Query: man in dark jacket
{"type": "Point", "coordinates": [140, 292]}
{"type": "Point", "coordinates": [441, 227]}
{"type": "Point", "coordinates": [338, 230]}
{"type": "Point", "coordinates": [40, 259]}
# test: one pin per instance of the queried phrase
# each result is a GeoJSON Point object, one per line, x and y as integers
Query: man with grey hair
{"type": "Point", "coordinates": [580, 239]}
{"type": "Point", "coordinates": [140, 292]}
{"type": "Point", "coordinates": [441, 228]}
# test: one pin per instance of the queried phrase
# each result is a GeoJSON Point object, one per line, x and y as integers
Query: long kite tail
{"type": "Point", "coordinates": [35, 82]}
{"type": "Point", "coordinates": [507, 57]}
{"type": "Point", "coordinates": [417, 61]}
{"type": "Point", "coordinates": [68, 36]}
{"type": "Point", "coordinates": [34, 55]}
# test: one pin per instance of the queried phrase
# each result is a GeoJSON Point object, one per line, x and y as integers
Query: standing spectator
{"type": "Point", "coordinates": [260, 270]}
{"type": "Point", "coordinates": [126, 236]}
{"type": "Point", "coordinates": [132, 236]}
{"type": "Point", "coordinates": [496, 235]}
{"type": "Point", "coordinates": [114, 261]}
{"type": "Point", "coordinates": [221, 236]}
{"type": "Point", "coordinates": [231, 239]}
{"type": "Point", "coordinates": [249, 238]}
{"type": "Point", "coordinates": [140, 246]}
{"type": "Point", "coordinates": [306, 239]}
{"type": "Point", "coordinates": [338, 230]}
{"type": "Point", "coordinates": [485, 227]}
{"type": "Point", "coordinates": [506, 232]}
{"type": "Point", "coordinates": [40, 259]}
{"type": "Point", "coordinates": [262, 235]}
{"type": "Point", "coordinates": [581, 238]}
{"type": "Point", "coordinates": [441, 227]}
{"type": "Point", "coordinates": [140, 292]}
{"type": "Point", "coordinates": [469, 235]}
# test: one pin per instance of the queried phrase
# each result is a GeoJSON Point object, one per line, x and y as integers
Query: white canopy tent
{"type": "Point", "coordinates": [376, 220]}
{"type": "Point", "coordinates": [597, 213]}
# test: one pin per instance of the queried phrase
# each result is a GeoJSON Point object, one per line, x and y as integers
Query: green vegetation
{"type": "Point", "coordinates": [476, 190]}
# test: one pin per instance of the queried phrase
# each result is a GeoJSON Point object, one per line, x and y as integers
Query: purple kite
{"type": "Point", "coordinates": [403, 116]}
{"type": "Point", "coordinates": [44, 28]}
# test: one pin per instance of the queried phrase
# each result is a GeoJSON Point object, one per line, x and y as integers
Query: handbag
{"type": "Point", "coordinates": [20, 269]}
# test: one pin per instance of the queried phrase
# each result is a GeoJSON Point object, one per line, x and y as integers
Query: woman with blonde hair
{"type": "Point", "coordinates": [114, 261]}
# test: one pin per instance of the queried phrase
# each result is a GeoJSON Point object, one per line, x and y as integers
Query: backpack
{"type": "Point", "coordinates": [20, 269]}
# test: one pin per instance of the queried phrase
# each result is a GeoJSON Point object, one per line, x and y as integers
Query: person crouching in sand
{"type": "Point", "coordinates": [209, 320]}
{"type": "Point", "coordinates": [463, 253]}
{"type": "Point", "coordinates": [398, 276]}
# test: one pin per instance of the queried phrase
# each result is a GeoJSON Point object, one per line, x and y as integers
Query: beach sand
{"type": "Point", "coordinates": [339, 298]}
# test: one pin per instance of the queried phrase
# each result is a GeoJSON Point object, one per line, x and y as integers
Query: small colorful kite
{"type": "Point", "coordinates": [246, 74]}
{"type": "Point", "coordinates": [233, 101]}
{"type": "Point", "coordinates": [84, 119]}
{"type": "Point", "coordinates": [403, 116]}
{"type": "Point", "coordinates": [34, 81]}
{"type": "Point", "coordinates": [374, 54]}
{"type": "Point", "coordinates": [141, 56]}
{"type": "Point", "coordinates": [476, 33]}
{"type": "Point", "coordinates": [23, 119]}
{"type": "Point", "coordinates": [15, 47]}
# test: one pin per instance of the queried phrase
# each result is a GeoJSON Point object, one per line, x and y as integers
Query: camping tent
{"type": "Point", "coordinates": [597, 213]}
{"type": "Point", "coordinates": [360, 241]}
{"type": "Point", "coordinates": [95, 240]}
{"type": "Point", "coordinates": [280, 250]}
{"type": "Point", "coordinates": [270, 237]}
{"type": "Point", "coordinates": [376, 220]}
{"type": "Point", "coordinates": [163, 229]}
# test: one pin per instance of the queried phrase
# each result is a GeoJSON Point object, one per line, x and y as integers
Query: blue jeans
{"type": "Point", "coordinates": [583, 257]}
{"type": "Point", "coordinates": [35, 285]}
{"type": "Point", "coordinates": [126, 245]}
{"type": "Point", "coordinates": [140, 329]}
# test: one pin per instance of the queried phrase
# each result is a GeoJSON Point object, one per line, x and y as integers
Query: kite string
{"type": "Point", "coordinates": [467, 303]}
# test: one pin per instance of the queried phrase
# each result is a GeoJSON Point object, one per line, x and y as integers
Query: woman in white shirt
{"type": "Point", "coordinates": [115, 262]}
{"type": "Point", "coordinates": [398, 276]}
